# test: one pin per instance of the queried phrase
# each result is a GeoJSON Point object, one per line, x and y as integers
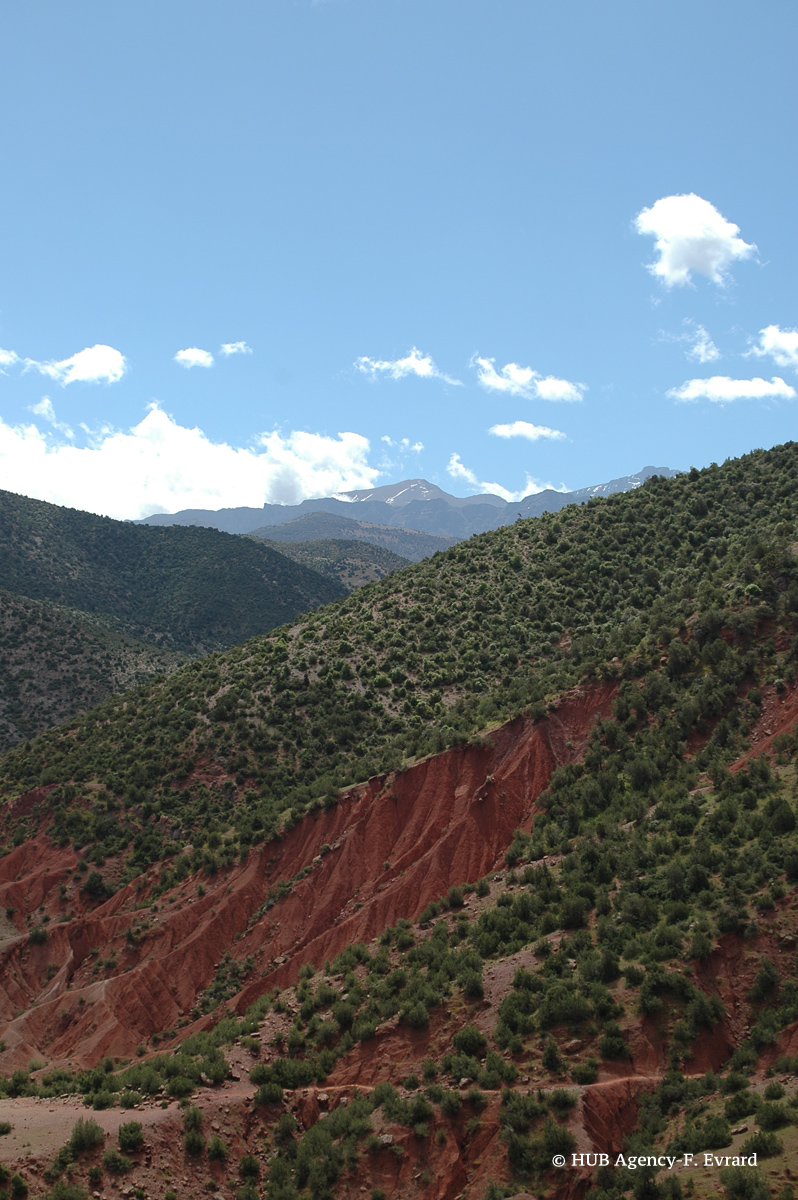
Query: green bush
{"type": "Point", "coordinates": [217, 1150]}
{"type": "Point", "coordinates": [764, 1145]}
{"type": "Point", "coordinates": [249, 1167]}
{"type": "Point", "coordinates": [115, 1162]}
{"type": "Point", "coordinates": [744, 1183]}
{"type": "Point", "coordinates": [268, 1093]}
{"type": "Point", "coordinates": [131, 1136]}
{"type": "Point", "coordinates": [86, 1135]}
{"type": "Point", "coordinates": [586, 1072]}
{"type": "Point", "coordinates": [67, 1191]}
{"type": "Point", "coordinates": [772, 1116]}
{"type": "Point", "coordinates": [193, 1142]}
{"type": "Point", "coordinates": [469, 1040]}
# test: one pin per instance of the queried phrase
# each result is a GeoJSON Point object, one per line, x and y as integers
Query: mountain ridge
{"type": "Point", "coordinates": [413, 504]}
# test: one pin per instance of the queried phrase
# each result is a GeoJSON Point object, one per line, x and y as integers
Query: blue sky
{"type": "Point", "coordinates": [415, 225]}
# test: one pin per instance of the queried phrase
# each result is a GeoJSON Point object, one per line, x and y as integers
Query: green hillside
{"type": "Point", "coordinates": [186, 589]}
{"type": "Point", "coordinates": [440, 651]}
{"type": "Point", "coordinates": [350, 563]}
{"type": "Point", "coordinates": [56, 663]}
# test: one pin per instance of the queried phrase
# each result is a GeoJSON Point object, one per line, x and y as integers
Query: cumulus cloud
{"type": "Point", "coordinates": [779, 344]}
{"type": "Point", "coordinates": [691, 235]}
{"type": "Point", "coordinates": [414, 363]}
{"type": "Point", "coordinates": [7, 359]}
{"type": "Point", "coordinates": [525, 429]}
{"type": "Point", "coordinates": [160, 466]}
{"type": "Point", "coordinates": [95, 364]}
{"type": "Point", "coordinates": [194, 357]}
{"type": "Point", "coordinates": [722, 390]}
{"type": "Point", "coordinates": [228, 348]}
{"type": "Point", "coordinates": [524, 381]}
{"type": "Point", "coordinates": [458, 470]}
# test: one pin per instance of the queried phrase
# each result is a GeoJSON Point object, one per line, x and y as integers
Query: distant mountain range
{"type": "Point", "coordinates": [412, 504]}
{"type": "Point", "coordinates": [322, 526]}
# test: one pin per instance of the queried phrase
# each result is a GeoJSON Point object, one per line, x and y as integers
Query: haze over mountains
{"type": "Point", "coordinates": [411, 504]}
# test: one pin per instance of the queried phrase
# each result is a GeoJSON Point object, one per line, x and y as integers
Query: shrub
{"type": "Point", "coordinates": [269, 1093]}
{"type": "Point", "coordinates": [180, 1087]}
{"type": "Point", "coordinates": [772, 1116]}
{"type": "Point", "coordinates": [249, 1167]}
{"type": "Point", "coordinates": [5, 1127]}
{"type": "Point", "coordinates": [67, 1191]}
{"type": "Point", "coordinates": [19, 1188]}
{"type": "Point", "coordinates": [451, 1103]}
{"type": "Point", "coordinates": [744, 1183]}
{"type": "Point", "coordinates": [585, 1072]}
{"type": "Point", "coordinates": [763, 1144]}
{"type": "Point", "coordinates": [115, 1162]}
{"type": "Point", "coordinates": [131, 1136]}
{"type": "Point", "coordinates": [86, 1135]}
{"type": "Point", "coordinates": [217, 1151]}
{"type": "Point", "coordinates": [417, 1016]}
{"type": "Point", "coordinates": [129, 1098]}
{"type": "Point", "coordinates": [94, 887]}
{"type": "Point", "coordinates": [469, 1040]}
{"type": "Point", "coordinates": [194, 1142]}
{"type": "Point", "coordinates": [192, 1118]}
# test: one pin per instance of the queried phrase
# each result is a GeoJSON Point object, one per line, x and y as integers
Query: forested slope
{"type": "Point", "coordinates": [183, 588]}
{"type": "Point", "coordinates": [55, 663]}
{"type": "Point", "coordinates": [423, 659]}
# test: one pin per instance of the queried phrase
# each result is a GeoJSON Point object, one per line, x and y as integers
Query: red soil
{"type": "Point", "coordinates": [383, 852]}
{"type": "Point", "coordinates": [394, 843]}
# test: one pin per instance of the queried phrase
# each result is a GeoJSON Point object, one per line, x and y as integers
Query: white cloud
{"type": "Point", "coordinates": [228, 348]}
{"type": "Point", "coordinates": [722, 390]}
{"type": "Point", "coordinates": [194, 357]}
{"type": "Point", "coordinates": [44, 408]}
{"type": "Point", "coordinates": [780, 344]}
{"type": "Point", "coordinates": [523, 381]}
{"type": "Point", "coordinates": [691, 235]}
{"type": "Point", "coordinates": [95, 364]}
{"type": "Point", "coordinates": [402, 444]}
{"type": "Point", "coordinates": [696, 340]}
{"type": "Point", "coordinates": [458, 470]}
{"type": "Point", "coordinates": [702, 348]}
{"type": "Point", "coordinates": [7, 359]}
{"type": "Point", "coordinates": [414, 363]}
{"type": "Point", "coordinates": [160, 466]}
{"type": "Point", "coordinates": [525, 429]}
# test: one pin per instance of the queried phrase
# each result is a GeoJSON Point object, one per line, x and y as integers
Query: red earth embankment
{"type": "Point", "coordinates": [383, 852]}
